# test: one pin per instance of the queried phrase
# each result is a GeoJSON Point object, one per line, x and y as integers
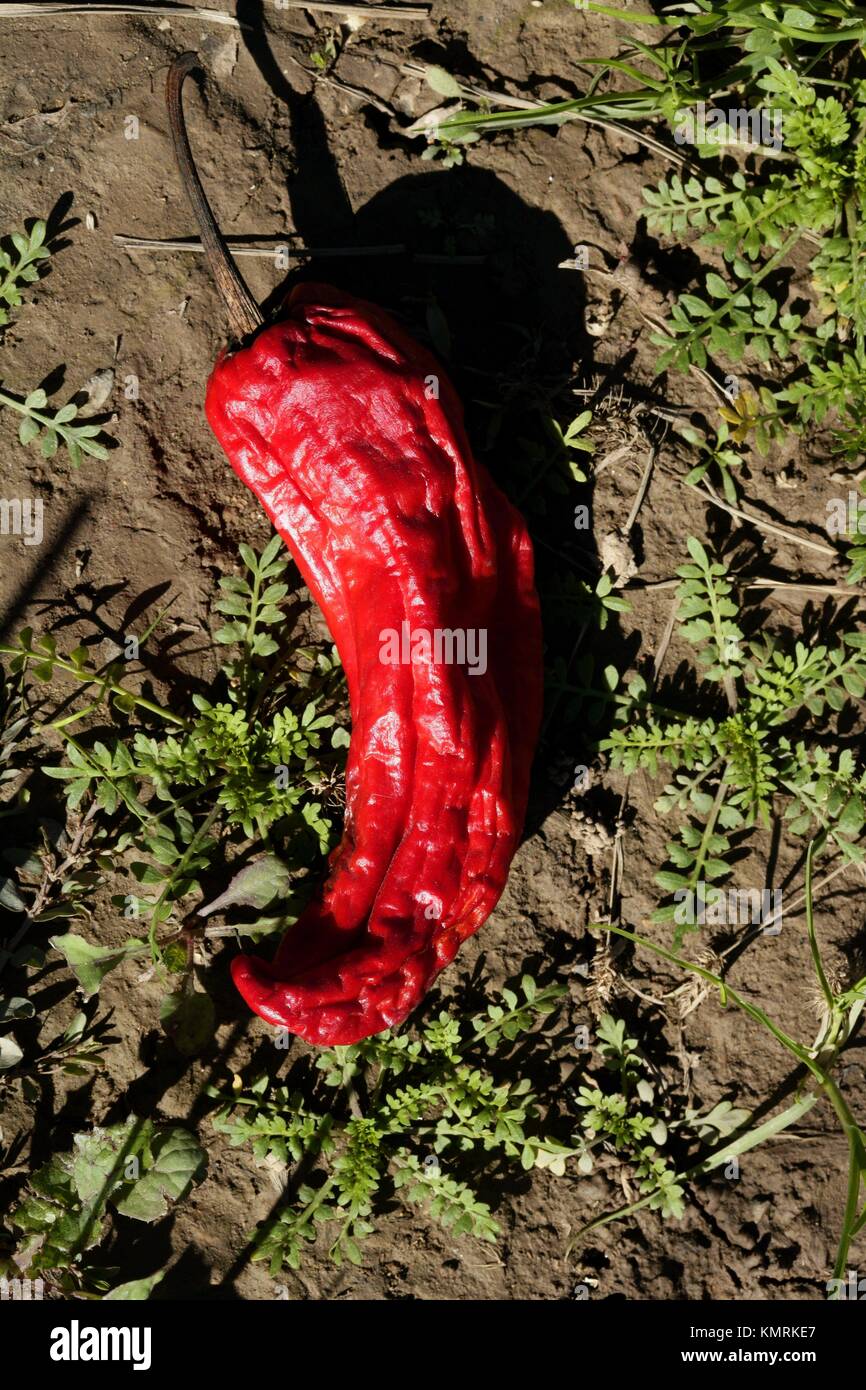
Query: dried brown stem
{"type": "Point", "coordinates": [244, 314]}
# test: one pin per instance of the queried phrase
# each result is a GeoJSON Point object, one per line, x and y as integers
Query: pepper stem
{"type": "Point", "coordinates": [244, 314]}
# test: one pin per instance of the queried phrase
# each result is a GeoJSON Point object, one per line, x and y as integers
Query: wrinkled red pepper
{"type": "Point", "coordinates": [352, 439]}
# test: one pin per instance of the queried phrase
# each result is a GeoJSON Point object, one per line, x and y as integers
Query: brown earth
{"type": "Point", "coordinates": [285, 153]}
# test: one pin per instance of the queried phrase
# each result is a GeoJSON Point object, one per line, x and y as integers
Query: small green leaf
{"type": "Point", "coordinates": [10, 898]}
{"type": "Point", "coordinates": [90, 446]}
{"type": "Point", "coordinates": [137, 1289]}
{"type": "Point", "coordinates": [441, 81]}
{"type": "Point", "coordinates": [28, 429]}
{"type": "Point", "coordinates": [178, 1162]}
{"type": "Point", "coordinates": [257, 885]}
{"type": "Point", "coordinates": [270, 552]}
{"type": "Point", "coordinates": [90, 964]}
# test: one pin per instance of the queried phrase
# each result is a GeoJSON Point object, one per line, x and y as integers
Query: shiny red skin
{"type": "Point", "coordinates": [331, 417]}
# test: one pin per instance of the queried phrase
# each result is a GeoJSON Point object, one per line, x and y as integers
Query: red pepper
{"type": "Point", "coordinates": [352, 438]}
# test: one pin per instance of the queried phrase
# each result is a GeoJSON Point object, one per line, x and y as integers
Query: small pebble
{"type": "Point", "coordinates": [99, 387]}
